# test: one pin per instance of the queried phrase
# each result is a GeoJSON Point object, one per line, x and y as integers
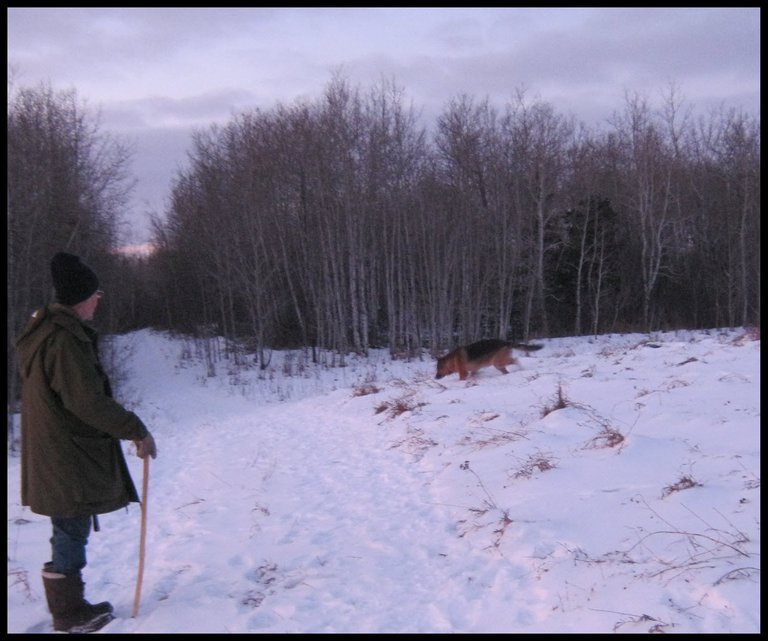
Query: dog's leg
{"type": "Point", "coordinates": [501, 363]}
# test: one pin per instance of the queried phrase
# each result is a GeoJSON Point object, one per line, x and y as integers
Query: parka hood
{"type": "Point", "coordinates": [40, 326]}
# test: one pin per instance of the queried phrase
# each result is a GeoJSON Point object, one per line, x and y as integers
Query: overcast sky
{"type": "Point", "coordinates": [155, 74]}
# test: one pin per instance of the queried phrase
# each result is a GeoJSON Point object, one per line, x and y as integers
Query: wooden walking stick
{"type": "Point", "coordinates": [144, 492]}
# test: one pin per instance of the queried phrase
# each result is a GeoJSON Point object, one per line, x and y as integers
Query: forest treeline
{"type": "Point", "coordinates": [342, 223]}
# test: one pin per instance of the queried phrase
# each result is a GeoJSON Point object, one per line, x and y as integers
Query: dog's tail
{"type": "Point", "coordinates": [527, 348]}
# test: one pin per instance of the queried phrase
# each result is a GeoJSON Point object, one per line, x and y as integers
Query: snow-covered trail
{"type": "Point", "coordinates": [307, 522]}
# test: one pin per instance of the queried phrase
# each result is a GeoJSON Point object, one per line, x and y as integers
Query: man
{"type": "Point", "coordinates": [72, 463]}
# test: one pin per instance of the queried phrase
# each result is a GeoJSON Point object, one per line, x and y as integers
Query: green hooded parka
{"type": "Point", "coordinates": [72, 462]}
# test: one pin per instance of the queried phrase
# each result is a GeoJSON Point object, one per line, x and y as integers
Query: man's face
{"type": "Point", "coordinates": [87, 308]}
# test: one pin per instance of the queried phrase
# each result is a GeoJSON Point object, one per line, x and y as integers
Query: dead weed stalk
{"type": "Point", "coordinates": [558, 402]}
{"type": "Point", "coordinates": [504, 522]}
{"type": "Point", "coordinates": [398, 406]}
{"type": "Point", "coordinates": [684, 483]}
{"type": "Point", "coordinates": [538, 461]}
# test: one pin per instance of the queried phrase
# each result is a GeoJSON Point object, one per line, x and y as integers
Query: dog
{"type": "Point", "coordinates": [470, 358]}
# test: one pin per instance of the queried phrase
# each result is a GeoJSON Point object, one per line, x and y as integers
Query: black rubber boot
{"type": "Point", "coordinates": [71, 612]}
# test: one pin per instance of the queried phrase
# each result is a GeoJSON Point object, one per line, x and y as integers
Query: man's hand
{"type": "Point", "coordinates": [146, 447]}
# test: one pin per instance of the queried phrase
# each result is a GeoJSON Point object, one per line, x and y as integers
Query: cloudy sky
{"type": "Point", "coordinates": [156, 74]}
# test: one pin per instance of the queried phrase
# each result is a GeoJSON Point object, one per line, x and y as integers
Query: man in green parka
{"type": "Point", "coordinates": [72, 463]}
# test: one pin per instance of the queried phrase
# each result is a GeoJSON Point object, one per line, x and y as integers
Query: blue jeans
{"type": "Point", "coordinates": [70, 536]}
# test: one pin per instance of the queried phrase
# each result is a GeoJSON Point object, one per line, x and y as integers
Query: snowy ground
{"type": "Point", "coordinates": [608, 484]}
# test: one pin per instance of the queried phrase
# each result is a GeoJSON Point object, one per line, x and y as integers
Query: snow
{"type": "Point", "coordinates": [606, 484]}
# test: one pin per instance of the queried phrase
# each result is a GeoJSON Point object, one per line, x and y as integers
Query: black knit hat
{"type": "Point", "coordinates": [74, 281]}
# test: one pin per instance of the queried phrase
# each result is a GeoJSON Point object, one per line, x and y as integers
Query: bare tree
{"type": "Point", "coordinates": [67, 184]}
{"type": "Point", "coordinates": [541, 139]}
{"type": "Point", "coordinates": [647, 196]}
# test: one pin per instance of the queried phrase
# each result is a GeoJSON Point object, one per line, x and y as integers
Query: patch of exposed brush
{"type": "Point", "coordinates": [398, 406]}
{"type": "Point", "coordinates": [685, 482]}
{"type": "Point", "coordinates": [493, 439]}
{"type": "Point", "coordinates": [751, 334]}
{"type": "Point", "coordinates": [558, 402]}
{"type": "Point", "coordinates": [607, 437]}
{"type": "Point", "coordinates": [537, 462]}
{"type": "Point", "coordinates": [416, 443]}
{"type": "Point", "coordinates": [366, 388]}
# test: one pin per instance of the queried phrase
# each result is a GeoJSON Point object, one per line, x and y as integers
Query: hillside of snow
{"type": "Point", "coordinates": [607, 484]}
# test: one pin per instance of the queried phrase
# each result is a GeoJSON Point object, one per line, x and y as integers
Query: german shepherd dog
{"type": "Point", "coordinates": [470, 358]}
